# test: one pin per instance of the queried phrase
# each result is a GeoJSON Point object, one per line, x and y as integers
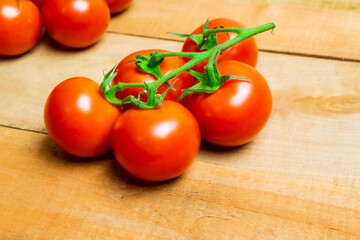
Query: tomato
{"type": "Point", "coordinates": [78, 118]}
{"type": "Point", "coordinates": [157, 144]}
{"type": "Point", "coordinates": [129, 73]}
{"type": "Point", "coordinates": [245, 51]}
{"type": "Point", "coordinates": [117, 6]}
{"type": "Point", "coordinates": [238, 111]}
{"type": "Point", "coordinates": [76, 23]}
{"type": "Point", "coordinates": [20, 27]}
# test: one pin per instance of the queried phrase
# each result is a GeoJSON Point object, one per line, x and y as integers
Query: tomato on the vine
{"type": "Point", "coordinates": [157, 144]}
{"type": "Point", "coordinates": [76, 23]}
{"type": "Point", "coordinates": [127, 72]}
{"type": "Point", "coordinates": [20, 27]}
{"type": "Point", "coordinates": [117, 6]}
{"type": "Point", "coordinates": [238, 111]}
{"type": "Point", "coordinates": [79, 119]}
{"type": "Point", "coordinates": [245, 51]}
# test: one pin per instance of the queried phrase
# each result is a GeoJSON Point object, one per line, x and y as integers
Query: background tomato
{"type": "Point", "coordinates": [238, 111]}
{"type": "Point", "coordinates": [117, 6]}
{"type": "Point", "coordinates": [245, 51]}
{"type": "Point", "coordinates": [76, 23]}
{"type": "Point", "coordinates": [78, 118]}
{"type": "Point", "coordinates": [20, 27]}
{"type": "Point", "coordinates": [158, 144]}
{"type": "Point", "coordinates": [129, 73]}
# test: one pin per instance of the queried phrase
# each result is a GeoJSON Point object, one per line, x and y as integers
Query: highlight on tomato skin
{"type": "Point", "coordinates": [158, 144]}
{"type": "Point", "coordinates": [237, 112]}
{"type": "Point", "coordinates": [79, 119]}
{"type": "Point", "coordinates": [21, 27]}
{"type": "Point", "coordinates": [245, 51]}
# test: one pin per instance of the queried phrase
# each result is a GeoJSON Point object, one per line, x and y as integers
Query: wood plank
{"type": "Point", "coordinates": [46, 194]}
{"type": "Point", "coordinates": [320, 28]}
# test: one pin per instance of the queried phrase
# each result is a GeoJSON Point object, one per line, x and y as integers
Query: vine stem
{"type": "Point", "coordinates": [243, 33]}
{"type": "Point", "coordinates": [195, 58]}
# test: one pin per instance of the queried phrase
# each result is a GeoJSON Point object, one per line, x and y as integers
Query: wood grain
{"type": "Point", "coordinates": [59, 197]}
{"type": "Point", "coordinates": [320, 28]}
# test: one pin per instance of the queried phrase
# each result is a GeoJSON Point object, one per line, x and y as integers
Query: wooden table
{"type": "Point", "coordinates": [300, 179]}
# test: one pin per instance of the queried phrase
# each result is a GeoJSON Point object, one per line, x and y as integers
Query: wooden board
{"type": "Point", "coordinates": [299, 179]}
{"type": "Point", "coordinates": [47, 194]}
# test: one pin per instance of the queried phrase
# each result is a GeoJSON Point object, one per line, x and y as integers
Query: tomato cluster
{"type": "Point", "coordinates": [152, 145]}
{"type": "Point", "coordinates": [72, 23]}
{"type": "Point", "coordinates": [136, 110]}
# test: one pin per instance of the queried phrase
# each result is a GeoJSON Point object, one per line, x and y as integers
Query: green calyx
{"type": "Point", "coordinates": [205, 40]}
{"type": "Point", "coordinates": [149, 64]}
{"type": "Point", "coordinates": [209, 82]}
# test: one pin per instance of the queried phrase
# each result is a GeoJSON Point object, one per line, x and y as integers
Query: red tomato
{"type": "Point", "coordinates": [78, 118]}
{"type": "Point", "coordinates": [245, 51]}
{"type": "Point", "coordinates": [117, 6]}
{"type": "Point", "coordinates": [20, 27]}
{"type": "Point", "coordinates": [158, 144]}
{"type": "Point", "coordinates": [76, 23]}
{"type": "Point", "coordinates": [129, 73]}
{"type": "Point", "coordinates": [238, 111]}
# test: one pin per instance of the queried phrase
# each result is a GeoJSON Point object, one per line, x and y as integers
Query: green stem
{"type": "Point", "coordinates": [151, 95]}
{"type": "Point", "coordinates": [210, 69]}
{"type": "Point", "coordinates": [160, 56]}
{"type": "Point", "coordinates": [198, 57]}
